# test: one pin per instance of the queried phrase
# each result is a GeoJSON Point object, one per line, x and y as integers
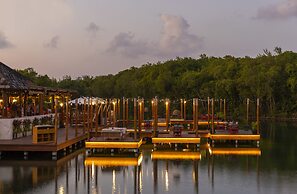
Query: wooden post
{"type": "Point", "coordinates": [140, 103]}
{"type": "Point", "coordinates": [225, 116]}
{"type": "Point", "coordinates": [167, 113]}
{"type": "Point", "coordinates": [181, 108]}
{"type": "Point", "coordinates": [119, 109]}
{"type": "Point", "coordinates": [76, 117]}
{"type": "Point", "coordinates": [258, 115]}
{"type": "Point", "coordinates": [185, 112]}
{"type": "Point", "coordinates": [56, 121]}
{"type": "Point", "coordinates": [96, 116]}
{"type": "Point", "coordinates": [41, 102]}
{"type": "Point", "coordinates": [66, 114]}
{"type": "Point", "coordinates": [53, 103]}
{"type": "Point", "coordinates": [91, 115]}
{"type": "Point", "coordinates": [153, 110]}
{"type": "Point", "coordinates": [221, 106]}
{"type": "Point", "coordinates": [127, 113]}
{"type": "Point", "coordinates": [135, 117]}
{"type": "Point", "coordinates": [156, 115]}
{"type": "Point", "coordinates": [208, 112]}
{"type": "Point", "coordinates": [197, 116]}
{"type": "Point", "coordinates": [194, 114]}
{"type": "Point", "coordinates": [124, 112]}
{"type": "Point", "coordinates": [114, 113]}
{"type": "Point", "coordinates": [247, 110]}
{"type": "Point", "coordinates": [212, 115]}
{"type": "Point", "coordinates": [84, 117]}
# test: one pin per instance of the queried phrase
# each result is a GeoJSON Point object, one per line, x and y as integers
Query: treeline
{"type": "Point", "coordinates": [270, 77]}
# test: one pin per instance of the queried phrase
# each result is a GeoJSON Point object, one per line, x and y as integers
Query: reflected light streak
{"type": "Point", "coordinates": [113, 181]}
{"type": "Point", "coordinates": [166, 181]}
{"type": "Point", "coordinates": [61, 190]}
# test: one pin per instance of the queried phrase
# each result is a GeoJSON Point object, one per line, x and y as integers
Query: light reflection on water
{"type": "Point", "coordinates": [275, 171]}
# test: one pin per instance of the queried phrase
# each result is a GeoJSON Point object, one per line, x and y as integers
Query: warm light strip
{"type": "Point", "coordinates": [175, 140]}
{"type": "Point", "coordinates": [235, 137]}
{"type": "Point", "coordinates": [113, 161]}
{"type": "Point", "coordinates": [236, 151]}
{"type": "Point", "coordinates": [114, 144]}
{"type": "Point", "coordinates": [176, 155]}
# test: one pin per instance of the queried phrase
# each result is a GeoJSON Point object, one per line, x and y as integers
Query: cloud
{"type": "Point", "coordinates": [92, 29]}
{"type": "Point", "coordinates": [125, 44]}
{"type": "Point", "coordinates": [53, 43]}
{"type": "Point", "coordinates": [284, 10]}
{"type": "Point", "coordinates": [175, 40]}
{"type": "Point", "coordinates": [4, 43]}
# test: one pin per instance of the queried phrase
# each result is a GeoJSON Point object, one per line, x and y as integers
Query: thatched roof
{"type": "Point", "coordinates": [10, 79]}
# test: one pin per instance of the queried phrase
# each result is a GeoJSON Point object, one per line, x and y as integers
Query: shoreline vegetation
{"type": "Point", "coordinates": [271, 76]}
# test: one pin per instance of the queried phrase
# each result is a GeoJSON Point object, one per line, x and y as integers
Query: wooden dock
{"type": "Point", "coordinates": [26, 145]}
{"type": "Point", "coordinates": [113, 161]}
{"type": "Point", "coordinates": [175, 155]}
{"type": "Point", "coordinates": [168, 138]}
{"type": "Point", "coordinates": [235, 151]}
{"type": "Point", "coordinates": [125, 143]}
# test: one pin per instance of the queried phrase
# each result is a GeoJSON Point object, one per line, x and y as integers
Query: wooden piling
{"type": "Point", "coordinates": [56, 120]}
{"type": "Point", "coordinates": [258, 115]}
{"type": "Point", "coordinates": [66, 117]}
{"type": "Point", "coordinates": [135, 117]}
{"type": "Point", "coordinates": [212, 115]}
{"type": "Point", "coordinates": [76, 117]}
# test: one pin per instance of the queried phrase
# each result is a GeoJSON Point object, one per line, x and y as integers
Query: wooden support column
{"type": "Point", "coordinates": [127, 112]}
{"type": "Point", "coordinates": [41, 103]}
{"type": "Point", "coordinates": [67, 118]}
{"type": "Point", "coordinates": [56, 121]}
{"type": "Point", "coordinates": [194, 114]}
{"type": "Point", "coordinates": [185, 111]}
{"type": "Point", "coordinates": [225, 115]}
{"type": "Point", "coordinates": [167, 113]}
{"type": "Point", "coordinates": [155, 116]}
{"type": "Point", "coordinates": [114, 112]}
{"type": "Point", "coordinates": [208, 112]}
{"type": "Point", "coordinates": [97, 116]}
{"type": "Point", "coordinates": [221, 106]}
{"type": "Point", "coordinates": [76, 117]}
{"type": "Point", "coordinates": [84, 116]}
{"type": "Point", "coordinates": [197, 115]}
{"type": "Point", "coordinates": [25, 105]}
{"type": "Point", "coordinates": [247, 110]}
{"type": "Point", "coordinates": [124, 112]}
{"type": "Point", "coordinates": [181, 108]}
{"type": "Point", "coordinates": [119, 109]}
{"type": "Point", "coordinates": [212, 115]}
{"type": "Point", "coordinates": [53, 103]}
{"type": "Point", "coordinates": [140, 104]}
{"type": "Point", "coordinates": [135, 117]}
{"type": "Point", "coordinates": [153, 110]}
{"type": "Point", "coordinates": [258, 116]}
{"type": "Point", "coordinates": [91, 115]}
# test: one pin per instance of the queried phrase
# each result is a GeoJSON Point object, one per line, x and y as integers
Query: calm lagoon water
{"type": "Point", "coordinates": [275, 171]}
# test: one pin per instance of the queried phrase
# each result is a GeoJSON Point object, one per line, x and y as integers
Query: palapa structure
{"type": "Point", "coordinates": [21, 97]}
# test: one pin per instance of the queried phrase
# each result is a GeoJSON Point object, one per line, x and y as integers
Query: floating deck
{"type": "Point", "coordinates": [239, 137]}
{"type": "Point", "coordinates": [235, 151]}
{"type": "Point", "coordinates": [113, 161]}
{"type": "Point", "coordinates": [175, 155]}
{"type": "Point", "coordinates": [25, 144]}
{"type": "Point", "coordinates": [184, 138]}
{"type": "Point", "coordinates": [125, 143]}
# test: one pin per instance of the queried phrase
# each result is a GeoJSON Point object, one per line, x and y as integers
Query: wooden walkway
{"type": "Point", "coordinates": [25, 143]}
{"type": "Point", "coordinates": [124, 143]}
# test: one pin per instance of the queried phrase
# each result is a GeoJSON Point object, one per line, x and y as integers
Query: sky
{"type": "Point", "coordinates": [100, 37]}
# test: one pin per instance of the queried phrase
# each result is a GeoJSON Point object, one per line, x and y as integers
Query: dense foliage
{"type": "Point", "coordinates": [271, 77]}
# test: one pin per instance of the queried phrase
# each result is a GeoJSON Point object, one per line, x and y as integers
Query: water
{"type": "Point", "coordinates": [275, 171]}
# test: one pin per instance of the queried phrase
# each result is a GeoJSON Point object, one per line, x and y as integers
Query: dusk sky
{"type": "Point", "coordinates": [99, 37]}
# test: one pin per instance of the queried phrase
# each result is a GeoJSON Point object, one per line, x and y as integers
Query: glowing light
{"type": "Point", "coordinates": [115, 144]}
{"type": "Point", "coordinates": [166, 102]}
{"type": "Point", "coordinates": [61, 104]}
{"type": "Point", "coordinates": [1, 100]}
{"type": "Point", "coordinates": [14, 100]}
{"type": "Point", "coordinates": [185, 102]}
{"type": "Point", "coordinates": [113, 181]}
{"type": "Point", "coordinates": [152, 102]}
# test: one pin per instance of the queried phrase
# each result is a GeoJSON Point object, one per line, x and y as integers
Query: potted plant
{"type": "Point", "coordinates": [16, 128]}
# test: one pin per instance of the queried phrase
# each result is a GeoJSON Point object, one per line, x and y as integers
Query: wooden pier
{"type": "Point", "coordinates": [175, 155]}
{"type": "Point", "coordinates": [114, 161]}
{"type": "Point", "coordinates": [126, 143]}
{"type": "Point", "coordinates": [235, 151]}
{"type": "Point", "coordinates": [26, 145]}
